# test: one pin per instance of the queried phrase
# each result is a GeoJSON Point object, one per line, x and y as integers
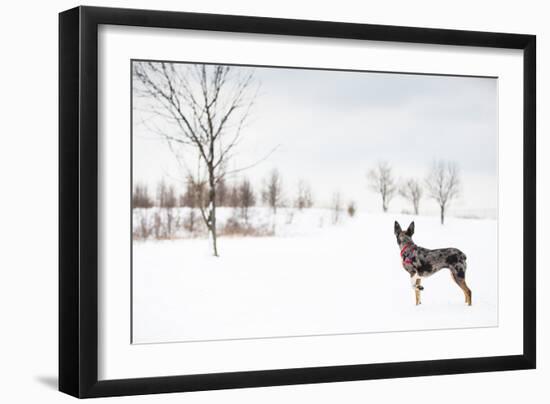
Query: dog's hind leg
{"type": "Point", "coordinates": [459, 276]}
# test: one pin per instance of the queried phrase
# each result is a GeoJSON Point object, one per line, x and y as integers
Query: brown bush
{"type": "Point", "coordinates": [234, 227]}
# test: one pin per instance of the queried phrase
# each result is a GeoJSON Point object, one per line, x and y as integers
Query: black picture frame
{"type": "Point", "coordinates": [78, 201]}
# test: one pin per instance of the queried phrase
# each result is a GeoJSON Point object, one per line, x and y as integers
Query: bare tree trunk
{"type": "Point", "coordinates": [442, 214]}
{"type": "Point", "coordinates": [212, 210]}
{"type": "Point", "coordinates": [213, 234]}
{"type": "Point", "coordinates": [211, 225]}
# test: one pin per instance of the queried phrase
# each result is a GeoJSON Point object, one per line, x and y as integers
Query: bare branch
{"type": "Point", "coordinates": [257, 162]}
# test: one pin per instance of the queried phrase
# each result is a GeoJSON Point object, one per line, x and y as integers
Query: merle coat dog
{"type": "Point", "coordinates": [420, 262]}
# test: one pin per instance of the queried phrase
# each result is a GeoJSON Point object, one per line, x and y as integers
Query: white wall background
{"type": "Point", "coordinates": [28, 206]}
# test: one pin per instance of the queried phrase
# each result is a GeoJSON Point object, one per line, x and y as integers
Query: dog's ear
{"type": "Point", "coordinates": [410, 230]}
{"type": "Point", "coordinates": [396, 228]}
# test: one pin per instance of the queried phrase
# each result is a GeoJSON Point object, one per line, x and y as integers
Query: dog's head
{"type": "Point", "coordinates": [403, 236]}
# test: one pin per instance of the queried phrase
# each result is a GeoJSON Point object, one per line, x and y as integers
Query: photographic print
{"type": "Point", "coordinates": [281, 202]}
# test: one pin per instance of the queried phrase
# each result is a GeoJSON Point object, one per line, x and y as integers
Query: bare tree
{"type": "Point", "coordinates": [352, 209]}
{"type": "Point", "coordinates": [381, 181]}
{"type": "Point", "coordinates": [157, 225]}
{"type": "Point", "coordinates": [336, 207]}
{"type": "Point", "coordinates": [272, 194]}
{"type": "Point", "coordinates": [412, 191]}
{"type": "Point", "coordinates": [166, 219]}
{"type": "Point", "coordinates": [190, 221]}
{"type": "Point", "coordinates": [193, 198]}
{"type": "Point", "coordinates": [222, 192]}
{"type": "Point", "coordinates": [443, 185]}
{"type": "Point", "coordinates": [166, 195]}
{"type": "Point", "coordinates": [142, 228]}
{"type": "Point", "coordinates": [246, 198]}
{"type": "Point", "coordinates": [304, 199]}
{"type": "Point", "coordinates": [171, 222]}
{"type": "Point", "coordinates": [234, 198]}
{"type": "Point", "coordinates": [203, 108]}
{"type": "Point", "coordinates": [141, 197]}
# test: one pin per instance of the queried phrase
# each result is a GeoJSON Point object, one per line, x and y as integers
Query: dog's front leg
{"type": "Point", "coordinates": [415, 283]}
{"type": "Point", "coordinates": [417, 290]}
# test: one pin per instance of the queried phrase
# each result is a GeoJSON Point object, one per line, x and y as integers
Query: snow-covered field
{"type": "Point", "coordinates": [312, 278]}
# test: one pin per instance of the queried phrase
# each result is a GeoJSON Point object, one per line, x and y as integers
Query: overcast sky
{"type": "Point", "coordinates": [331, 127]}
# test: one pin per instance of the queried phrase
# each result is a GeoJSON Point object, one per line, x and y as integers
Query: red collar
{"type": "Point", "coordinates": [407, 253]}
{"type": "Point", "coordinates": [405, 248]}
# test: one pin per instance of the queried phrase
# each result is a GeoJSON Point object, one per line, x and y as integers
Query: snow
{"type": "Point", "coordinates": [313, 278]}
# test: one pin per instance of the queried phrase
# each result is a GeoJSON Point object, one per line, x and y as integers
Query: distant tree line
{"type": "Point", "coordinates": [239, 194]}
{"type": "Point", "coordinates": [442, 184]}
